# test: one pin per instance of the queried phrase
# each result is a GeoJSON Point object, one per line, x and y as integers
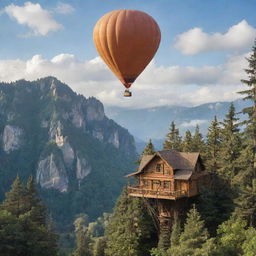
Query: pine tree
{"type": "Point", "coordinates": [213, 146]}
{"type": "Point", "coordinates": [215, 202]}
{"type": "Point", "coordinates": [192, 238]}
{"type": "Point", "coordinates": [15, 199]}
{"type": "Point", "coordinates": [246, 203]}
{"type": "Point", "coordinates": [34, 204]}
{"type": "Point", "coordinates": [176, 231]}
{"type": "Point", "coordinates": [12, 240]}
{"type": "Point", "coordinates": [149, 149]}
{"type": "Point", "coordinates": [187, 142]}
{"type": "Point", "coordinates": [230, 145]}
{"type": "Point", "coordinates": [173, 139]}
{"type": "Point", "coordinates": [198, 144]}
{"type": "Point", "coordinates": [130, 229]}
{"type": "Point", "coordinates": [250, 94]}
{"type": "Point", "coordinates": [21, 205]}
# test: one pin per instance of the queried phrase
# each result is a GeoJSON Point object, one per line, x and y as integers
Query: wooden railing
{"type": "Point", "coordinates": [149, 192]}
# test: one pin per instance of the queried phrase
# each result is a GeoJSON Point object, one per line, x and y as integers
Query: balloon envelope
{"type": "Point", "coordinates": [127, 40]}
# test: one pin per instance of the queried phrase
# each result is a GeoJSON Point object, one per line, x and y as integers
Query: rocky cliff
{"type": "Point", "coordinates": [65, 141]}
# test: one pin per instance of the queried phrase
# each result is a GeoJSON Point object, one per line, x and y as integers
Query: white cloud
{"type": "Point", "coordinates": [238, 37]}
{"type": "Point", "coordinates": [193, 123]}
{"type": "Point", "coordinates": [157, 86]}
{"type": "Point", "coordinates": [39, 20]}
{"type": "Point", "coordinates": [64, 8]}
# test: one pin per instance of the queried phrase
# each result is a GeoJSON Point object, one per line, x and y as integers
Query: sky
{"type": "Point", "coordinates": [201, 57]}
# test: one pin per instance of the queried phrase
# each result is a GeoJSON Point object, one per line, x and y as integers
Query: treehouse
{"type": "Point", "coordinates": [168, 174]}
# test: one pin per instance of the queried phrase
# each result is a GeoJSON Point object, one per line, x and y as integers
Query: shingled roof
{"type": "Point", "coordinates": [177, 160]}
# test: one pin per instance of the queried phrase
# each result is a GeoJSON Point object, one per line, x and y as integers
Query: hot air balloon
{"type": "Point", "coordinates": [126, 40]}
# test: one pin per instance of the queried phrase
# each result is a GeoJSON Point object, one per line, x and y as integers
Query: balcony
{"type": "Point", "coordinates": [157, 194]}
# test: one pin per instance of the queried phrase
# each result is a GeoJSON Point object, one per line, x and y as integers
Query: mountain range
{"type": "Point", "coordinates": [153, 123]}
{"type": "Point", "coordinates": [76, 154]}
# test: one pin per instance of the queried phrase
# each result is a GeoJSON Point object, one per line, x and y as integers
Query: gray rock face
{"type": "Point", "coordinates": [68, 152]}
{"type": "Point", "coordinates": [114, 139]}
{"type": "Point", "coordinates": [12, 138]}
{"type": "Point", "coordinates": [56, 133]}
{"type": "Point", "coordinates": [94, 110]}
{"type": "Point", "coordinates": [97, 133]}
{"type": "Point", "coordinates": [83, 168]}
{"type": "Point", "coordinates": [78, 119]}
{"type": "Point", "coordinates": [49, 174]}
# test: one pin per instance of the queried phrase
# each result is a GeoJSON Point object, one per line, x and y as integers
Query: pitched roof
{"type": "Point", "coordinates": [177, 160]}
{"type": "Point", "coordinates": [145, 159]}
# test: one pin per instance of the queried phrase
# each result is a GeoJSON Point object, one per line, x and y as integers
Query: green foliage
{"type": "Point", "coordinates": [15, 201]}
{"type": "Point", "coordinates": [187, 142]}
{"type": "Point", "coordinates": [249, 245]}
{"type": "Point", "coordinates": [176, 231]}
{"type": "Point", "coordinates": [83, 240]}
{"type": "Point", "coordinates": [198, 144]}
{"type": "Point", "coordinates": [99, 246]}
{"type": "Point", "coordinates": [23, 226]}
{"type": "Point", "coordinates": [230, 146]}
{"type": "Point", "coordinates": [149, 149]}
{"type": "Point", "coordinates": [193, 237]}
{"type": "Point", "coordinates": [213, 146]}
{"type": "Point", "coordinates": [215, 202]}
{"type": "Point", "coordinates": [246, 203]}
{"type": "Point", "coordinates": [130, 229]}
{"type": "Point", "coordinates": [231, 236]}
{"type": "Point", "coordinates": [173, 139]}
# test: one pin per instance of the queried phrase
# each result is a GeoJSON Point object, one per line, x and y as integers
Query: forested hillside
{"type": "Point", "coordinates": [222, 220]}
{"type": "Point", "coordinates": [77, 155]}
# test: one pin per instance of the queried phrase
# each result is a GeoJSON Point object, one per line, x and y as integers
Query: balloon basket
{"type": "Point", "coordinates": [127, 93]}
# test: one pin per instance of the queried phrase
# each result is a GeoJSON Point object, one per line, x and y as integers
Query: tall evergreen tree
{"type": "Point", "coordinates": [130, 230]}
{"type": "Point", "coordinates": [198, 144]}
{"type": "Point", "coordinates": [149, 149]}
{"type": "Point", "coordinates": [173, 138]}
{"type": "Point", "coordinates": [250, 94]}
{"type": "Point", "coordinates": [213, 146]}
{"type": "Point", "coordinates": [34, 204]}
{"type": "Point", "coordinates": [12, 240]}
{"type": "Point", "coordinates": [187, 142]}
{"type": "Point", "coordinates": [246, 203]}
{"type": "Point", "coordinates": [230, 145]}
{"type": "Point", "coordinates": [176, 231]}
{"type": "Point", "coordinates": [15, 202]}
{"type": "Point", "coordinates": [21, 205]}
{"type": "Point", "coordinates": [192, 238]}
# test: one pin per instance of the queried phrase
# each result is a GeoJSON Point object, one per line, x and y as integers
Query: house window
{"type": "Point", "coordinates": [146, 183]}
{"type": "Point", "coordinates": [167, 184]}
{"type": "Point", "coordinates": [158, 167]}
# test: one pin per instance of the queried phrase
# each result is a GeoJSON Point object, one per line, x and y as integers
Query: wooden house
{"type": "Point", "coordinates": [168, 174]}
